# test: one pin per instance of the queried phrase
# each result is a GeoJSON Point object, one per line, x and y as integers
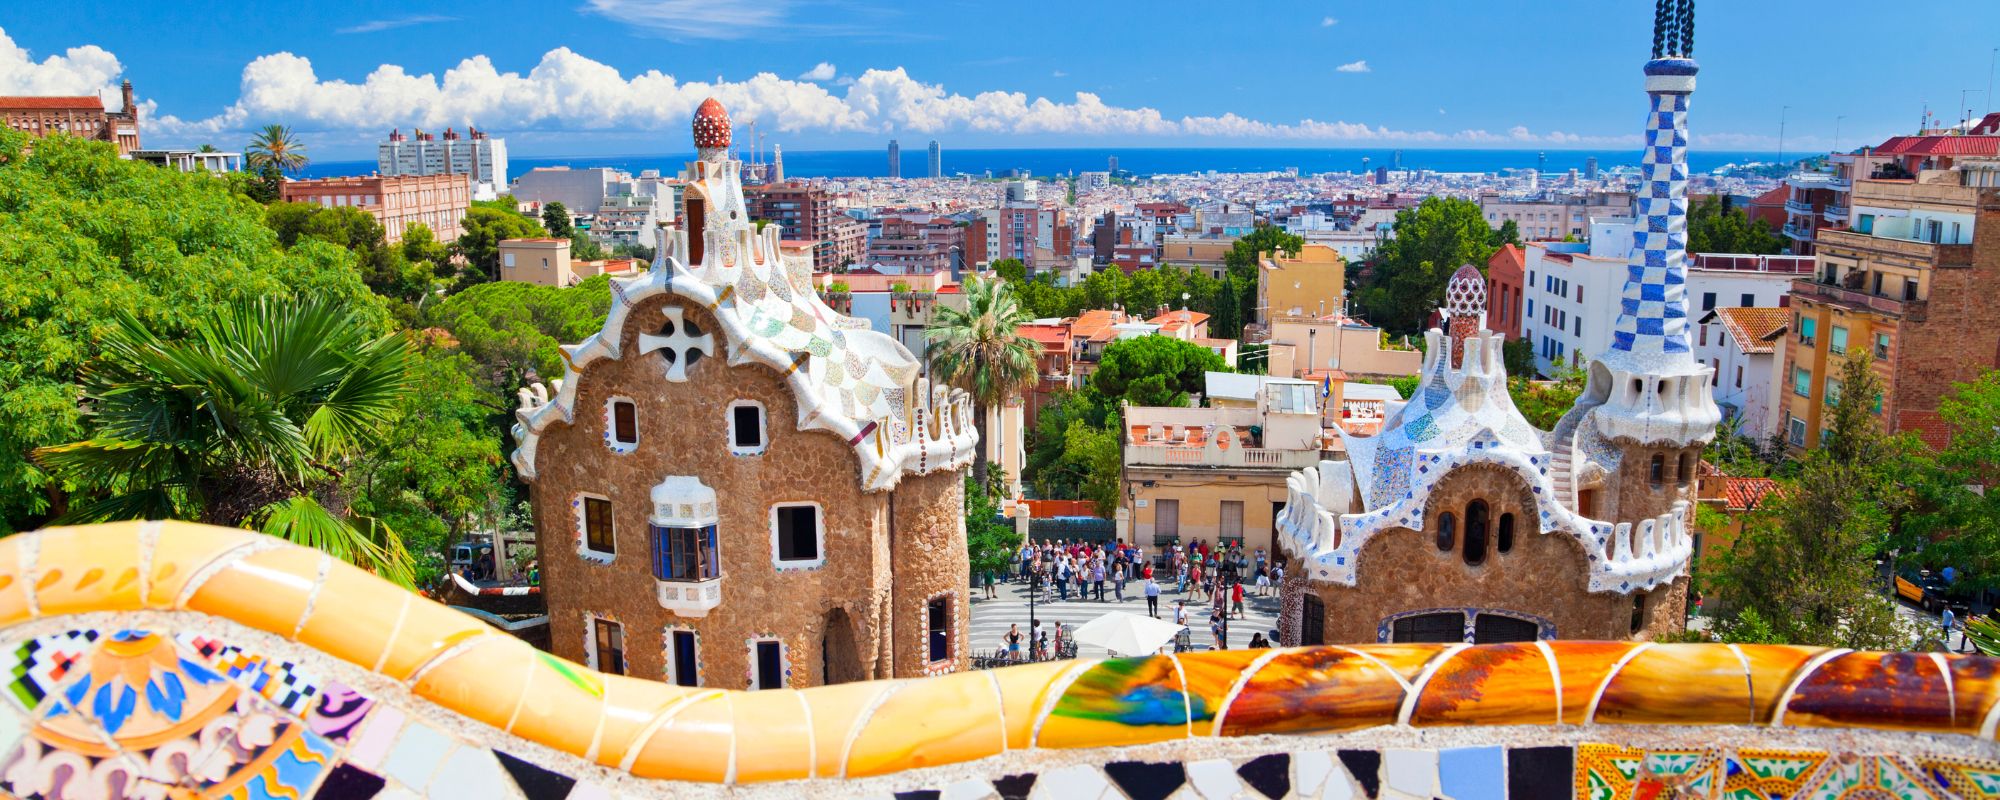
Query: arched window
{"type": "Point", "coordinates": [1638, 612]}
{"type": "Point", "coordinates": [1505, 538]}
{"type": "Point", "coordinates": [1658, 476]}
{"type": "Point", "coordinates": [1447, 533]}
{"type": "Point", "coordinates": [1475, 532]}
{"type": "Point", "coordinates": [1687, 470]}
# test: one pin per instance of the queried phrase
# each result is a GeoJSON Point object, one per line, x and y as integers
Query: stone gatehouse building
{"type": "Point", "coordinates": [1462, 522]}
{"type": "Point", "coordinates": [736, 486]}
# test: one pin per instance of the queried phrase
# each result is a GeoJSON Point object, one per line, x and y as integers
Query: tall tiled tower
{"type": "Point", "coordinates": [1648, 397]}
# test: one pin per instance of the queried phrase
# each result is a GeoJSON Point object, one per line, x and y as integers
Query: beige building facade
{"type": "Point", "coordinates": [1313, 283]}
{"type": "Point", "coordinates": [437, 201]}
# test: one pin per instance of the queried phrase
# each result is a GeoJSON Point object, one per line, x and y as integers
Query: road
{"type": "Point", "coordinates": [991, 618]}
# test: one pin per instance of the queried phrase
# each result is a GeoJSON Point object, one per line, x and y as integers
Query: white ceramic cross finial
{"type": "Point", "coordinates": [677, 341]}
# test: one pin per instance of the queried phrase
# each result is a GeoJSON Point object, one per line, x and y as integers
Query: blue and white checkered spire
{"type": "Point", "coordinates": [1652, 328]}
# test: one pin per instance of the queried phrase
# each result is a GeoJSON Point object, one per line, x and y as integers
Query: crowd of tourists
{"type": "Point", "coordinates": [1211, 577]}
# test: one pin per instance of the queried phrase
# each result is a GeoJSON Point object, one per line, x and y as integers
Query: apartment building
{"type": "Point", "coordinates": [1313, 282]}
{"type": "Point", "coordinates": [476, 155]}
{"type": "Point", "coordinates": [917, 243]}
{"type": "Point", "coordinates": [437, 201]}
{"type": "Point", "coordinates": [1506, 284]}
{"type": "Point", "coordinates": [81, 116]}
{"type": "Point", "coordinates": [1911, 284]}
{"type": "Point", "coordinates": [1553, 217]}
{"type": "Point", "coordinates": [1745, 346]}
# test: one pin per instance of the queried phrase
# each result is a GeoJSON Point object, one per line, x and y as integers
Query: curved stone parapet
{"type": "Point", "coordinates": [144, 656]}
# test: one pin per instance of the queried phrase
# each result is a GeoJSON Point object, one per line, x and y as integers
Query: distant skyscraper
{"type": "Point", "coordinates": [481, 158]}
{"type": "Point", "coordinates": [777, 163]}
{"type": "Point", "coordinates": [1114, 164]}
{"type": "Point", "coordinates": [1590, 168]}
{"type": "Point", "coordinates": [937, 160]}
{"type": "Point", "coordinates": [895, 159]}
{"type": "Point", "coordinates": [1381, 176]}
{"type": "Point", "coordinates": [1541, 162]}
{"type": "Point", "coordinates": [1399, 161]}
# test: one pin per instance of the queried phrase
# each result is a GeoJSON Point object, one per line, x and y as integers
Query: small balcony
{"type": "Point", "coordinates": [1797, 207]}
{"type": "Point", "coordinates": [1803, 233]}
{"type": "Point", "coordinates": [1835, 214]}
{"type": "Point", "coordinates": [693, 599]}
{"type": "Point", "coordinates": [1859, 301]}
{"type": "Point", "coordinates": [1939, 255]}
{"type": "Point", "coordinates": [1179, 456]}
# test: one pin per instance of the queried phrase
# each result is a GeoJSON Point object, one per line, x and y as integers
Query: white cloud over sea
{"type": "Point", "coordinates": [568, 91]}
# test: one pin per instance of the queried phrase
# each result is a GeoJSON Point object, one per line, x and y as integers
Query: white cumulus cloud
{"type": "Point", "coordinates": [88, 69]}
{"type": "Point", "coordinates": [1353, 66]}
{"type": "Point", "coordinates": [1328, 22]}
{"type": "Point", "coordinates": [566, 93]}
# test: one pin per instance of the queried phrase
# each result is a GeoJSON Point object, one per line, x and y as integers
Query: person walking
{"type": "Point", "coordinates": [1118, 580]}
{"type": "Point", "coordinates": [1062, 579]}
{"type": "Point", "coordinates": [1236, 595]}
{"type": "Point", "coordinates": [987, 575]}
{"type": "Point", "coordinates": [1097, 578]}
{"type": "Point", "coordinates": [1152, 599]}
{"type": "Point", "coordinates": [1215, 629]}
{"type": "Point", "coordinates": [1950, 622]}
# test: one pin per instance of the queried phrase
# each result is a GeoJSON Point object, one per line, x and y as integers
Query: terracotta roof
{"type": "Point", "coordinates": [1045, 334]}
{"type": "Point", "coordinates": [1090, 323]}
{"type": "Point", "coordinates": [1744, 494]}
{"type": "Point", "coordinates": [1927, 425]}
{"type": "Point", "coordinates": [1940, 146]}
{"type": "Point", "coordinates": [53, 103]}
{"type": "Point", "coordinates": [1751, 329]}
{"type": "Point", "coordinates": [1508, 256]}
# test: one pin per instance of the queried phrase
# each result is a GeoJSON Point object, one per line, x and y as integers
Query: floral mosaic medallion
{"type": "Point", "coordinates": [1759, 774]}
{"type": "Point", "coordinates": [1854, 777]}
{"type": "Point", "coordinates": [1973, 779]}
{"type": "Point", "coordinates": [1611, 772]}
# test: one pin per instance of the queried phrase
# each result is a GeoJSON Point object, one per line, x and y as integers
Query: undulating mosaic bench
{"type": "Point", "coordinates": [178, 660]}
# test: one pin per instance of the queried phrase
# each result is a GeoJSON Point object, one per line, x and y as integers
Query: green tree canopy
{"type": "Point", "coordinates": [1409, 270]}
{"type": "Point", "coordinates": [1713, 229]}
{"type": "Point", "coordinates": [555, 219]}
{"type": "Point", "coordinates": [1153, 371]}
{"type": "Point", "coordinates": [276, 146]}
{"type": "Point", "coordinates": [484, 228]}
{"type": "Point", "coordinates": [85, 236]}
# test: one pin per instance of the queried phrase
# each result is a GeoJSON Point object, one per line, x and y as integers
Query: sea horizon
{"type": "Point", "coordinates": [1045, 161]}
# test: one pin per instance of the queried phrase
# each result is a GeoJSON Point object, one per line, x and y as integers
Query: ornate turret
{"type": "Point", "coordinates": [1652, 389]}
{"type": "Point", "coordinates": [1465, 302]}
{"type": "Point", "coordinates": [711, 130]}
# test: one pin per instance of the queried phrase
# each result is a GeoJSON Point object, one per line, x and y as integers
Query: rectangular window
{"type": "Point", "coordinates": [1748, 300]}
{"type": "Point", "coordinates": [624, 422]}
{"type": "Point", "coordinates": [1707, 301]}
{"type": "Point", "coordinates": [1832, 391]}
{"type": "Point", "coordinates": [685, 554]}
{"type": "Point", "coordinates": [1909, 289]}
{"type": "Point", "coordinates": [770, 664]}
{"type": "Point", "coordinates": [746, 428]}
{"type": "Point", "coordinates": [1739, 376]}
{"type": "Point", "coordinates": [685, 662]}
{"type": "Point", "coordinates": [1881, 345]}
{"type": "Point", "coordinates": [1876, 407]}
{"type": "Point", "coordinates": [1704, 336]}
{"type": "Point", "coordinates": [610, 646]}
{"type": "Point", "coordinates": [597, 525]}
{"type": "Point", "coordinates": [1166, 519]}
{"type": "Point", "coordinates": [1801, 382]}
{"type": "Point", "coordinates": [1836, 340]}
{"type": "Point", "coordinates": [797, 532]}
{"type": "Point", "coordinates": [1578, 326]}
{"type": "Point", "coordinates": [1808, 330]}
{"type": "Point", "coordinates": [938, 625]}
{"type": "Point", "coordinates": [1231, 529]}
{"type": "Point", "coordinates": [1796, 433]}
{"type": "Point", "coordinates": [1312, 621]}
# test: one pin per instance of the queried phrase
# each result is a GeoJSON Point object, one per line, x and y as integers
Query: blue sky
{"type": "Point", "coordinates": [622, 76]}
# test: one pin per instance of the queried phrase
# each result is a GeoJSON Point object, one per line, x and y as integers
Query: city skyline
{"type": "Point", "coordinates": [613, 76]}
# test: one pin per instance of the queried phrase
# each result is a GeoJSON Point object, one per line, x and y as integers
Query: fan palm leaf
{"type": "Point", "coordinates": [980, 349]}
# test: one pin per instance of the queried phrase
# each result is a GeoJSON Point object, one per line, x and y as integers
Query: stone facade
{"type": "Point", "coordinates": [720, 395]}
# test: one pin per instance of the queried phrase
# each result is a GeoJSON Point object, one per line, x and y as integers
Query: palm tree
{"type": "Point", "coordinates": [247, 420]}
{"type": "Point", "coordinates": [980, 349]}
{"type": "Point", "coordinates": [275, 146]}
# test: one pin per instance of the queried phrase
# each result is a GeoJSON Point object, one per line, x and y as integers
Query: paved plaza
{"type": "Point", "coordinates": [990, 618]}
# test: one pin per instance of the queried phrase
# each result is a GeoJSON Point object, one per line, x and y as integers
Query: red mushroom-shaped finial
{"type": "Point", "coordinates": [711, 125]}
{"type": "Point", "coordinates": [1465, 303]}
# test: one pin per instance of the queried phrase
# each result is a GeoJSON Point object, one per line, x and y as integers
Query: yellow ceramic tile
{"type": "Point", "coordinates": [1119, 701]}
{"type": "Point", "coordinates": [267, 591]}
{"type": "Point", "coordinates": [484, 681]}
{"type": "Point", "coordinates": [356, 617]}
{"type": "Point", "coordinates": [1407, 660]}
{"type": "Point", "coordinates": [428, 629]}
{"type": "Point", "coordinates": [181, 551]}
{"type": "Point", "coordinates": [561, 705]}
{"type": "Point", "coordinates": [13, 584]}
{"type": "Point", "coordinates": [1772, 667]}
{"type": "Point", "coordinates": [1678, 684]}
{"type": "Point", "coordinates": [1210, 675]}
{"type": "Point", "coordinates": [836, 711]}
{"type": "Point", "coordinates": [1584, 666]}
{"type": "Point", "coordinates": [90, 568]}
{"type": "Point", "coordinates": [1974, 690]}
{"type": "Point", "coordinates": [693, 745]}
{"type": "Point", "coordinates": [947, 719]}
{"type": "Point", "coordinates": [1024, 693]}
{"type": "Point", "coordinates": [1502, 684]}
{"type": "Point", "coordinates": [630, 704]}
{"type": "Point", "coordinates": [781, 747]}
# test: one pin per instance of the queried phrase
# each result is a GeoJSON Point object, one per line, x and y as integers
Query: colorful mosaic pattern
{"type": "Point", "coordinates": [255, 668]}
{"type": "Point", "coordinates": [1652, 314]}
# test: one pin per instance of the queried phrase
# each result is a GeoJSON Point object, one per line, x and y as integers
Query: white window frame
{"type": "Point", "coordinates": [590, 620]}
{"type": "Point", "coordinates": [611, 425]}
{"type": "Point", "coordinates": [819, 537]}
{"type": "Point", "coordinates": [583, 548]}
{"type": "Point", "coordinates": [763, 429]}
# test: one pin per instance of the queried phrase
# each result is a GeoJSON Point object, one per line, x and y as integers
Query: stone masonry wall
{"type": "Point", "coordinates": [1959, 338]}
{"type": "Point", "coordinates": [927, 546]}
{"type": "Point", "coordinates": [683, 430]}
{"type": "Point", "coordinates": [1544, 575]}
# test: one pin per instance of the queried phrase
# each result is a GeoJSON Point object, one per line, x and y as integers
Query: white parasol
{"type": "Point", "coordinates": [1129, 634]}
